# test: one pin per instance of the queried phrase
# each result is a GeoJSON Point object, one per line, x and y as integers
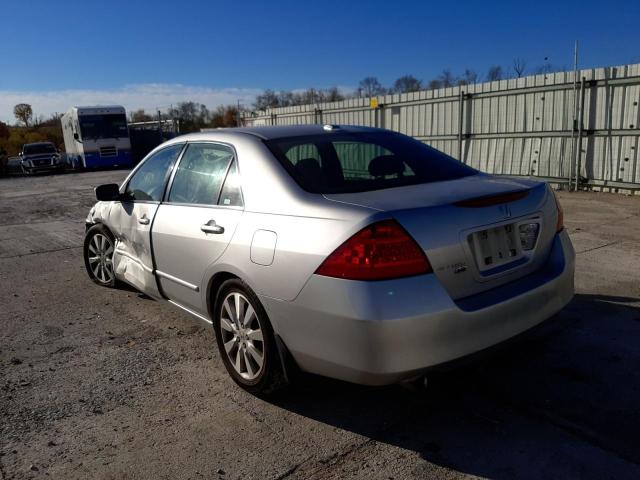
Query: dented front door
{"type": "Point", "coordinates": [142, 193]}
{"type": "Point", "coordinates": [133, 261]}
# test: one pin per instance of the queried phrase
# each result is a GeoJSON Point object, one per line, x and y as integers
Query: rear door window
{"type": "Point", "coordinates": [201, 173]}
{"type": "Point", "coordinates": [231, 195]}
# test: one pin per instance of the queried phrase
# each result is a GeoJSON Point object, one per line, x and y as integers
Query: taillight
{"type": "Point", "coordinates": [381, 251]}
{"type": "Point", "coordinates": [560, 222]}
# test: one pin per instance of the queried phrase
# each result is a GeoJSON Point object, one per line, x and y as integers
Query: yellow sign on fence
{"type": "Point", "coordinates": [374, 103]}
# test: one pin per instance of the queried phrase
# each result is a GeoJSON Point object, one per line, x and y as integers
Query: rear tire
{"type": "Point", "coordinates": [99, 245]}
{"type": "Point", "coordinates": [245, 339]}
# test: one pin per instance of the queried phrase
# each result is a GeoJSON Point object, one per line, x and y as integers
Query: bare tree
{"type": "Point", "coordinates": [140, 116]}
{"type": "Point", "coordinates": [469, 77]}
{"type": "Point", "coordinates": [268, 99]}
{"type": "Point", "coordinates": [519, 66]}
{"type": "Point", "coordinates": [23, 113]}
{"type": "Point", "coordinates": [545, 68]}
{"type": "Point", "coordinates": [333, 94]}
{"type": "Point", "coordinates": [406, 84]}
{"type": "Point", "coordinates": [224, 116]}
{"type": "Point", "coordinates": [371, 87]}
{"type": "Point", "coordinates": [447, 79]}
{"type": "Point", "coordinates": [434, 84]}
{"type": "Point", "coordinates": [310, 95]}
{"type": "Point", "coordinates": [494, 73]}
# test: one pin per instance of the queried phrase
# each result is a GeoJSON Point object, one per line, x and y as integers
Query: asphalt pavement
{"type": "Point", "coordinates": [108, 384]}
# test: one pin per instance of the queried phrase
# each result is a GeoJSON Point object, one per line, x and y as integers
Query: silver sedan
{"type": "Point", "coordinates": [355, 253]}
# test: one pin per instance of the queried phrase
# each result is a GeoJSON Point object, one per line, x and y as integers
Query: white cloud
{"type": "Point", "coordinates": [132, 97]}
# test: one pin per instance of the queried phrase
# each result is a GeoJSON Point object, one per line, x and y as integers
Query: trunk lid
{"type": "Point", "coordinates": [470, 228]}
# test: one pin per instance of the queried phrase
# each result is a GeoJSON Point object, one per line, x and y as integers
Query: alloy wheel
{"type": "Point", "coordinates": [242, 335]}
{"type": "Point", "coordinates": [100, 256]}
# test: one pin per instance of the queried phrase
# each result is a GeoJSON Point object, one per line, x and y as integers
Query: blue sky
{"type": "Point", "coordinates": [220, 51]}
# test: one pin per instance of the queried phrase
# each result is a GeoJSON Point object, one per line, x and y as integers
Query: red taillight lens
{"type": "Point", "coordinates": [381, 251]}
{"type": "Point", "coordinates": [560, 222]}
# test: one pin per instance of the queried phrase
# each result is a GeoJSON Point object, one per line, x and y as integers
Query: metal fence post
{"type": "Point", "coordinates": [460, 122]}
{"type": "Point", "coordinates": [578, 149]}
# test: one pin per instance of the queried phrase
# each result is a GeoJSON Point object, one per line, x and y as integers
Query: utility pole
{"type": "Point", "coordinates": [574, 121]}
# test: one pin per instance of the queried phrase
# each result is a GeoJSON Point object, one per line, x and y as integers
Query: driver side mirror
{"type": "Point", "coordinates": [107, 192]}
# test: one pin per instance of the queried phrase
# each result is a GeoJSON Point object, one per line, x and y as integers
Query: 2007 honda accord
{"type": "Point", "coordinates": [354, 253]}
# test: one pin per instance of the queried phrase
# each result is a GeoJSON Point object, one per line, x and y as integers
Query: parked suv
{"type": "Point", "coordinates": [40, 157]}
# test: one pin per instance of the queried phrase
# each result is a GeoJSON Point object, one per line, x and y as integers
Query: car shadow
{"type": "Point", "coordinates": [560, 400]}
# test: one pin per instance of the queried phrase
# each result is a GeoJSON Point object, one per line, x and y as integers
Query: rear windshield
{"type": "Point", "coordinates": [344, 162]}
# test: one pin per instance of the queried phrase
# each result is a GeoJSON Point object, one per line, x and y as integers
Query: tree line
{"type": "Point", "coordinates": [30, 129]}
{"type": "Point", "coordinates": [193, 116]}
{"type": "Point", "coordinates": [371, 86]}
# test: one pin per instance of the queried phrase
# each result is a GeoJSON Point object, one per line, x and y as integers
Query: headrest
{"type": "Point", "coordinates": [386, 165]}
{"type": "Point", "coordinates": [309, 166]}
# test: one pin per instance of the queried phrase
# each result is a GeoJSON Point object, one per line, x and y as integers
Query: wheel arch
{"type": "Point", "coordinates": [93, 223]}
{"type": "Point", "coordinates": [287, 362]}
{"type": "Point", "coordinates": [213, 287]}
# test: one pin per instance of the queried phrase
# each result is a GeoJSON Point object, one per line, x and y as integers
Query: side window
{"type": "Point", "coordinates": [200, 174]}
{"type": "Point", "coordinates": [149, 180]}
{"type": "Point", "coordinates": [231, 193]}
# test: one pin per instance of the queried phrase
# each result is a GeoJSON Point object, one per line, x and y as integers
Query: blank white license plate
{"type": "Point", "coordinates": [495, 246]}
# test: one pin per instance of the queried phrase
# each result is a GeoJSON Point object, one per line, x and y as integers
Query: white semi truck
{"type": "Point", "coordinates": [97, 137]}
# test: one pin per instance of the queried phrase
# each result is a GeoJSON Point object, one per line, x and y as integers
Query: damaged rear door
{"type": "Point", "coordinates": [143, 191]}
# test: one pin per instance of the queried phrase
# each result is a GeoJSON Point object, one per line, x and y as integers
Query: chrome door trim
{"type": "Point", "coordinates": [177, 280]}
{"type": "Point", "coordinates": [188, 310]}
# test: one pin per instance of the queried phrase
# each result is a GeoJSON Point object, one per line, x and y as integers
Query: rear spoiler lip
{"type": "Point", "coordinates": [493, 199]}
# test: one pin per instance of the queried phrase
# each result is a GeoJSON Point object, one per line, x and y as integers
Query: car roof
{"type": "Point", "coordinates": [283, 131]}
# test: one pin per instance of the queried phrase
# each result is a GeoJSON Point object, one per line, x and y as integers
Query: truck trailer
{"type": "Point", "coordinates": [97, 137]}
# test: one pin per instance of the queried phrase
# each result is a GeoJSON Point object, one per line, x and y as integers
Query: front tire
{"type": "Point", "coordinates": [99, 245]}
{"type": "Point", "coordinates": [245, 339]}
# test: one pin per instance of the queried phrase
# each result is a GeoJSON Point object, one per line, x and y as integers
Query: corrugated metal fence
{"type": "Point", "coordinates": [521, 126]}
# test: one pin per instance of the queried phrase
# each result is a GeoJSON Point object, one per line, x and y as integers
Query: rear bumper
{"type": "Point", "coordinates": [378, 333]}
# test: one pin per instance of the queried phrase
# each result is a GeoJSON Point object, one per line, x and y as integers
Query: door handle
{"type": "Point", "coordinates": [211, 227]}
{"type": "Point", "coordinates": [143, 221]}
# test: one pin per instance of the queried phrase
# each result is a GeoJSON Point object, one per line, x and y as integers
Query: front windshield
{"type": "Point", "coordinates": [103, 126]}
{"type": "Point", "coordinates": [37, 148]}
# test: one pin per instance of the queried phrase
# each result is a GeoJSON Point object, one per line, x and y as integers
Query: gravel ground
{"type": "Point", "coordinates": [108, 384]}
